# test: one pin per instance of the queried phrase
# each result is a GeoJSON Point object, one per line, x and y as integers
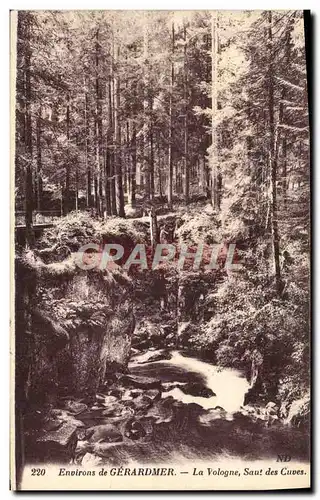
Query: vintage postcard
{"type": "Point", "coordinates": [161, 250]}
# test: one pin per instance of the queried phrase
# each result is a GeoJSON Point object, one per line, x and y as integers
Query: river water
{"type": "Point", "coordinates": [234, 433]}
{"type": "Point", "coordinates": [229, 385]}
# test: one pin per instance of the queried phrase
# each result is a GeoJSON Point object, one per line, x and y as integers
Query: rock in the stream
{"type": "Point", "coordinates": [168, 386]}
{"type": "Point", "coordinates": [116, 391]}
{"type": "Point", "coordinates": [134, 352]}
{"type": "Point", "coordinates": [83, 446]}
{"type": "Point", "coordinates": [126, 412]}
{"type": "Point", "coordinates": [74, 407]}
{"type": "Point", "coordinates": [52, 424]}
{"type": "Point", "coordinates": [106, 449]}
{"type": "Point", "coordinates": [153, 394]}
{"type": "Point", "coordinates": [108, 400]}
{"type": "Point", "coordinates": [142, 403]}
{"type": "Point", "coordinates": [211, 415]}
{"type": "Point", "coordinates": [134, 393]}
{"type": "Point", "coordinates": [134, 429]}
{"type": "Point", "coordinates": [148, 424]}
{"type": "Point", "coordinates": [241, 419]}
{"type": "Point", "coordinates": [127, 395]}
{"type": "Point", "coordinates": [140, 382]}
{"type": "Point", "coordinates": [54, 446]}
{"type": "Point", "coordinates": [114, 410]}
{"type": "Point", "coordinates": [65, 417]}
{"type": "Point", "coordinates": [162, 410]}
{"type": "Point", "coordinates": [91, 460]}
{"type": "Point", "coordinates": [100, 398]}
{"type": "Point", "coordinates": [159, 356]}
{"type": "Point", "coordinates": [107, 433]}
{"type": "Point", "coordinates": [198, 390]}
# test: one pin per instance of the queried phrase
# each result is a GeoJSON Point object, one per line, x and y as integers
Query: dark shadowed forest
{"type": "Point", "coordinates": [180, 128]}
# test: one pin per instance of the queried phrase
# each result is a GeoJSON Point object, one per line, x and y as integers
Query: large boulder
{"type": "Point", "coordinates": [108, 433]}
{"type": "Point", "coordinates": [140, 382]}
{"type": "Point", "coordinates": [162, 410]}
{"type": "Point", "coordinates": [197, 389]}
{"type": "Point", "coordinates": [56, 445]}
{"type": "Point", "coordinates": [80, 325]}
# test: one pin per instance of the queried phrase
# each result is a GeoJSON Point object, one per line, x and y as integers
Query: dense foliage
{"type": "Point", "coordinates": [118, 111]}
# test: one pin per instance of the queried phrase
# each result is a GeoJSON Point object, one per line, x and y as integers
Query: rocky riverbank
{"type": "Point", "coordinates": [134, 417]}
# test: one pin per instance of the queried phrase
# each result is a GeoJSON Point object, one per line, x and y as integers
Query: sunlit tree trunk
{"type": "Point", "coordinates": [284, 172]}
{"type": "Point", "coordinates": [133, 166]}
{"type": "Point", "coordinates": [111, 145]}
{"type": "Point", "coordinates": [87, 164]}
{"type": "Point", "coordinates": [29, 195]}
{"type": "Point", "coordinates": [185, 97]}
{"type": "Point", "coordinates": [151, 155]}
{"type": "Point", "coordinates": [98, 131]}
{"type": "Point", "coordinates": [66, 198]}
{"type": "Point", "coordinates": [214, 108]}
{"type": "Point", "coordinates": [170, 162]}
{"type": "Point", "coordinates": [117, 126]}
{"type": "Point", "coordinates": [39, 162]}
{"type": "Point", "coordinates": [273, 159]}
{"type": "Point", "coordinates": [146, 117]}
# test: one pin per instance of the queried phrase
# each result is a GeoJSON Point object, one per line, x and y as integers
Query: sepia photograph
{"type": "Point", "coordinates": [161, 241]}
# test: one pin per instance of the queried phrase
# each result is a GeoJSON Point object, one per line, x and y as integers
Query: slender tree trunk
{"type": "Point", "coordinates": [153, 228]}
{"type": "Point", "coordinates": [284, 172]}
{"type": "Point", "coordinates": [29, 201]}
{"type": "Point", "coordinates": [66, 203]}
{"type": "Point", "coordinates": [128, 162]}
{"type": "Point", "coordinates": [273, 162]}
{"type": "Point", "coordinates": [88, 168]}
{"type": "Point", "coordinates": [96, 192]}
{"type": "Point", "coordinates": [77, 188]}
{"type": "Point", "coordinates": [112, 171]}
{"type": "Point", "coordinates": [106, 155]}
{"type": "Point", "coordinates": [208, 179]}
{"type": "Point", "coordinates": [281, 117]}
{"type": "Point", "coordinates": [146, 117]}
{"type": "Point", "coordinates": [39, 162]}
{"type": "Point", "coordinates": [159, 154]}
{"type": "Point", "coordinates": [185, 96]}
{"type": "Point", "coordinates": [170, 162]}
{"type": "Point", "coordinates": [118, 166]}
{"type": "Point", "coordinates": [133, 169]}
{"type": "Point", "coordinates": [98, 130]}
{"type": "Point", "coordinates": [111, 146]}
{"type": "Point", "coordinates": [151, 157]}
{"type": "Point", "coordinates": [133, 156]}
{"type": "Point", "coordinates": [214, 94]}
{"type": "Point", "coordinates": [107, 180]}
{"type": "Point", "coordinates": [160, 182]}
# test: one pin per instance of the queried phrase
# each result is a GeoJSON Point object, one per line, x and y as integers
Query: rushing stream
{"type": "Point", "coordinates": [172, 407]}
{"type": "Point", "coordinates": [229, 385]}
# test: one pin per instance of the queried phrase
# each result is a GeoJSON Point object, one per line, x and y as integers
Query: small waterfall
{"type": "Point", "coordinates": [228, 384]}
